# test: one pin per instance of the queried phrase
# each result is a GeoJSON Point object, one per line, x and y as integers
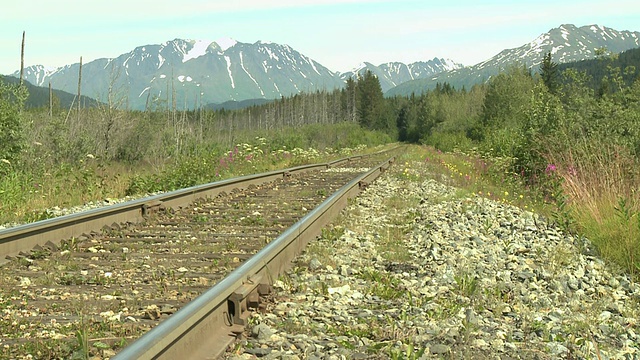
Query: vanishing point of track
{"type": "Point", "coordinates": [117, 283]}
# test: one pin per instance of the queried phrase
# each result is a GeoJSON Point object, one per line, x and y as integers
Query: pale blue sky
{"type": "Point", "coordinates": [337, 34]}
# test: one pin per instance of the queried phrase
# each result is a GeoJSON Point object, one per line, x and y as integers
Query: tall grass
{"type": "Point", "coordinates": [601, 184]}
{"type": "Point", "coordinates": [28, 192]}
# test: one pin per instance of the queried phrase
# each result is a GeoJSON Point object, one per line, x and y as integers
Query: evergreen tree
{"type": "Point", "coordinates": [549, 74]}
{"type": "Point", "coordinates": [373, 112]}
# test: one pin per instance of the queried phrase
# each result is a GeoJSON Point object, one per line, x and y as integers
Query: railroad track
{"type": "Point", "coordinates": [94, 292]}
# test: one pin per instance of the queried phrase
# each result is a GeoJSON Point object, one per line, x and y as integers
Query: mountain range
{"type": "Point", "coordinates": [193, 73]}
{"type": "Point", "coordinates": [566, 43]}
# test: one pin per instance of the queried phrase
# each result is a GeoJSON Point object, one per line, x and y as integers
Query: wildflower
{"type": "Point", "coordinates": [521, 196]}
{"type": "Point", "coordinates": [550, 169]}
{"type": "Point", "coordinates": [506, 193]}
{"type": "Point", "coordinates": [5, 161]}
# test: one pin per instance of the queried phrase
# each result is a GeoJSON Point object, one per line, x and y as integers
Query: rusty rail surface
{"type": "Point", "coordinates": [205, 327]}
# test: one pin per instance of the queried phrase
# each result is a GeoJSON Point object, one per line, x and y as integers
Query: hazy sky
{"type": "Point", "coordinates": [337, 34]}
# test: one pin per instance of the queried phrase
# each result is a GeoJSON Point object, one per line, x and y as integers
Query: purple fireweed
{"type": "Point", "coordinates": [551, 168]}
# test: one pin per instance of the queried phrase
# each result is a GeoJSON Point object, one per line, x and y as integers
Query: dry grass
{"type": "Point", "coordinates": [601, 183]}
{"type": "Point", "coordinates": [595, 174]}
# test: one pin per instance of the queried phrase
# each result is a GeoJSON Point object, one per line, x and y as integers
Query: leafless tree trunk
{"type": "Point", "coordinates": [50, 100]}
{"type": "Point", "coordinates": [22, 60]}
{"type": "Point", "coordinates": [79, 86]}
{"type": "Point", "coordinates": [112, 113]}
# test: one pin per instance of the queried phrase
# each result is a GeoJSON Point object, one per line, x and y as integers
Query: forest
{"type": "Point", "coordinates": [569, 132]}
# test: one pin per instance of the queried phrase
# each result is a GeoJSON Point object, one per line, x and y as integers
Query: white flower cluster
{"type": "Point", "coordinates": [348, 151]}
{"type": "Point", "coordinates": [308, 154]}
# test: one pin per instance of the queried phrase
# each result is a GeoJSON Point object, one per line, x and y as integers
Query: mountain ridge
{"type": "Point", "coordinates": [190, 73]}
{"type": "Point", "coordinates": [187, 74]}
{"type": "Point", "coordinates": [565, 43]}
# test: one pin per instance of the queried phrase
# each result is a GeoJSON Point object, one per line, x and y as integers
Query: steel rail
{"type": "Point", "coordinates": [24, 238]}
{"type": "Point", "coordinates": [205, 327]}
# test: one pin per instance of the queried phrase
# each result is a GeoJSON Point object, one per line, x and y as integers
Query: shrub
{"type": "Point", "coordinates": [12, 98]}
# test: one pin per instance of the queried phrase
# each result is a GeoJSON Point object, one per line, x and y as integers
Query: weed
{"type": "Point", "coordinates": [201, 218]}
{"type": "Point", "coordinates": [82, 345]}
{"type": "Point", "coordinates": [562, 214]}
{"type": "Point", "coordinates": [630, 228]}
{"type": "Point", "coordinates": [467, 284]}
{"type": "Point", "coordinates": [384, 285]}
{"type": "Point", "coordinates": [332, 233]}
{"type": "Point", "coordinates": [410, 354]}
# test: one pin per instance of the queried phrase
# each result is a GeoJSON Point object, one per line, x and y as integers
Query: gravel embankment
{"type": "Point", "coordinates": [416, 271]}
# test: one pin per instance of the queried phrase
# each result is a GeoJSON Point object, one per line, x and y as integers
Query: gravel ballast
{"type": "Point", "coordinates": [413, 269]}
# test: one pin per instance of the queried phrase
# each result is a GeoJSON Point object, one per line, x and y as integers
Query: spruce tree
{"type": "Point", "coordinates": [372, 108]}
{"type": "Point", "coordinates": [549, 74]}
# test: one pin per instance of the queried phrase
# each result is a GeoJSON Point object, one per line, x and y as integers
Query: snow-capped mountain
{"type": "Point", "coordinates": [191, 73]}
{"type": "Point", "coordinates": [565, 43]}
{"type": "Point", "coordinates": [395, 73]}
{"type": "Point", "coordinates": [196, 71]}
{"type": "Point", "coordinates": [202, 72]}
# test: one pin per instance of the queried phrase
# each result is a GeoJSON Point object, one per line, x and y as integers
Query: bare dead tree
{"type": "Point", "coordinates": [22, 60]}
{"type": "Point", "coordinates": [113, 111]}
{"type": "Point", "coordinates": [50, 100]}
{"type": "Point", "coordinates": [79, 86]}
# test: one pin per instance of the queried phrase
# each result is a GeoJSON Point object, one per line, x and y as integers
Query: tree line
{"type": "Point", "coordinates": [510, 115]}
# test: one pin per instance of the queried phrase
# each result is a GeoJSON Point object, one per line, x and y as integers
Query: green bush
{"type": "Point", "coordinates": [448, 142]}
{"type": "Point", "coordinates": [12, 98]}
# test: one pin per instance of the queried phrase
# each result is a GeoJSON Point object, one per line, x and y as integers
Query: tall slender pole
{"type": "Point", "coordinates": [50, 100]}
{"type": "Point", "coordinates": [22, 60]}
{"type": "Point", "coordinates": [79, 86]}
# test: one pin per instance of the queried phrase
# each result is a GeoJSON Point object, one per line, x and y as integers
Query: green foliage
{"type": "Point", "coordinates": [208, 164]}
{"type": "Point", "coordinates": [449, 141]}
{"type": "Point", "coordinates": [12, 98]}
{"type": "Point", "coordinates": [550, 74]}
{"type": "Point", "coordinates": [372, 108]}
{"type": "Point", "coordinates": [597, 69]}
{"type": "Point", "coordinates": [629, 218]}
{"type": "Point", "coordinates": [442, 117]}
{"type": "Point", "coordinates": [507, 98]}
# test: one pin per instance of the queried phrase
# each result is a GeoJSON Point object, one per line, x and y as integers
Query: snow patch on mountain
{"type": "Point", "coordinates": [160, 61]}
{"type": "Point", "coordinates": [233, 84]}
{"type": "Point", "coordinates": [249, 74]}
{"type": "Point", "coordinates": [144, 90]}
{"type": "Point", "coordinates": [225, 43]}
{"type": "Point", "coordinates": [199, 49]}
{"type": "Point", "coordinates": [313, 65]}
